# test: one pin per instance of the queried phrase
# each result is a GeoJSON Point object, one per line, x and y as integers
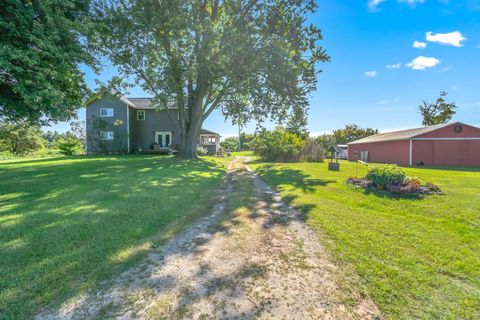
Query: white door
{"type": "Point", "coordinates": [164, 138]}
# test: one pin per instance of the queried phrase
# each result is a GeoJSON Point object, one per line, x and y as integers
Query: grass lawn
{"type": "Point", "coordinates": [418, 258]}
{"type": "Point", "coordinates": [68, 223]}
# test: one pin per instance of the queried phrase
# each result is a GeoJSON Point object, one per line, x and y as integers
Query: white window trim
{"type": "Point", "coordinates": [107, 135]}
{"type": "Point", "coordinates": [108, 115]}
{"type": "Point", "coordinates": [162, 134]}
{"type": "Point", "coordinates": [208, 136]}
{"type": "Point", "coordinates": [144, 115]}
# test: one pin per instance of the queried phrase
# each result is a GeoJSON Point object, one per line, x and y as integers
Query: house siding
{"type": "Point", "coordinates": [120, 144]}
{"type": "Point", "coordinates": [143, 131]}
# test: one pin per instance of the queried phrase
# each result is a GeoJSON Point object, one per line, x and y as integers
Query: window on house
{"type": "Point", "coordinates": [207, 140]}
{"type": "Point", "coordinates": [106, 135]}
{"type": "Point", "coordinates": [140, 114]}
{"type": "Point", "coordinates": [106, 112]}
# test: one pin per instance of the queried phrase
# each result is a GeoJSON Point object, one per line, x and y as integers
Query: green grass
{"type": "Point", "coordinates": [68, 223]}
{"type": "Point", "coordinates": [419, 258]}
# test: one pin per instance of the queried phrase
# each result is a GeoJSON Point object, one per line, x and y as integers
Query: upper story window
{"type": "Point", "coordinates": [107, 135]}
{"type": "Point", "coordinates": [140, 114]}
{"type": "Point", "coordinates": [106, 112]}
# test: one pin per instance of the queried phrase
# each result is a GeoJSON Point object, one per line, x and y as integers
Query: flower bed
{"type": "Point", "coordinates": [392, 179]}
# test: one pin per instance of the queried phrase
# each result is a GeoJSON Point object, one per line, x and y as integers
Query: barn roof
{"type": "Point", "coordinates": [401, 135]}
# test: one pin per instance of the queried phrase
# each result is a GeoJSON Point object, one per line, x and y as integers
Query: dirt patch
{"type": "Point", "coordinates": [252, 258]}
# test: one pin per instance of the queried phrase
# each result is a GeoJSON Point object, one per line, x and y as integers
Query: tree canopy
{"type": "Point", "coordinates": [20, 138]}
{"type": "Point", "coordinates": [350, 133]}
{"type": "Point", "coordinates": [250, 58]}
{"type": "Point", "coordinates": [42, 45]}
{"type": "Point", "coordinates": [438, 112]}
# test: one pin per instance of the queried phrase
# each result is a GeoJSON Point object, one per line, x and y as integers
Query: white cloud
{"type": "Point", "coordinates": [385, 101]}
{"type": "Point", "coordinates": [394, 66]}
{"type": "Point", "coordinates": [371, 74]}
{"type": "Point", "coordinates": [422, 63]}
{"type": "Point", "coordinates": [374, 3]}
{"type": "Point", "coordinates": [412, 2]}
{"type": "Point", "coordinates": [419, 44]}
{"type": "Point", "coordinates": [446, 69]}
{"type": "Point", "coordinates": [452, 38]}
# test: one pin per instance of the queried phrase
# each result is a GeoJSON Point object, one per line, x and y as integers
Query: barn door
{"type": "Point", "coordinates": [464, 153]}
{"type": "Point", "coordinates": [452, 153]}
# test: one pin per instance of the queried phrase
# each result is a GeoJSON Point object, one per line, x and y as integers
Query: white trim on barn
{"type": "Point", "coordinates": [411, 153]}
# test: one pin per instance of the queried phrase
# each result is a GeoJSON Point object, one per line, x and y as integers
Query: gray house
{"type": "Point", "coordinates": [133, 125]}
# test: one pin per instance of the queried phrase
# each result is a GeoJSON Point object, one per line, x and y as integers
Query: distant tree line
{"type": "Point", "coordinates": [22, 138]}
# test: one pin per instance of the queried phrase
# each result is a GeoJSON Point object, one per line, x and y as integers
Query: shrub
{"type": "Point", "coordinates": [70, 145]}
{"type": "Point", "coordinates": [385, 175]}
{"type": "Point", "coordinates": [230, 144]}
{"type": "Point", "coordinates": [313, 151]}
{"type": "Point", "coordinates": [202, 151]}
{"type": "Point", "coordinates": [277, 145]}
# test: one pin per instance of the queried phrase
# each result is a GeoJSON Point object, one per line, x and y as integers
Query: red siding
{"type": "Point", "coordinates": [423, 152]}
{"type": "Point", "coordinates": [429, 152]}
{"type": "Point", "coordinates": [448, 132]}
{"type": "Point", "coordinates": [384, 152]}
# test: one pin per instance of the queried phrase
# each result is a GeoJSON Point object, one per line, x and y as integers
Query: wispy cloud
{"type": "Point", "coordinates": [419, 44]}
{"type": "Point", "coordinates": [451, 38]}
{"type": "Point", "coordinates": [422, 63]}
{"type": "Point", "coordinates": [372, 4]}
{"type": "Point", "coordinates": [394, 66]}
{"type": "Point", "coordinates": [389, 101]}
{"type": "Point", "coordinates": [371, 74]}
{"type": "Point", "coordinates": [446, 69]}
{"type": "Point", "coordinates": [412, 2]}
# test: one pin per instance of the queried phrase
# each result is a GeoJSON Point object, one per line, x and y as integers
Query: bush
{"type": "Point", "coordinates": [277, 145]}
{"type": "Point", "coordinates": [313, 151]}
{"type": "Point", "coordinates": [385, 175]}
{"type": "Point", "coordinates": [202, 151]}
{"type": "Point", "coordinates": [230, 144]}
{"type": "Point", "coordinates": [70, 145]}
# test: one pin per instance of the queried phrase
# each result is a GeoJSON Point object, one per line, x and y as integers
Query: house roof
{"type": "Point", "coordinates": [402, 134]}
{"type": "Point", "coordinates": [205, 131]}
{"type": "Point", "coordinates": [142, 103]}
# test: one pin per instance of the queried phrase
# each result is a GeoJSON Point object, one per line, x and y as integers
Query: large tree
{"type": "Point", "coordinates": [41, 48]}
{"type": "Point", "coordinates": [250, 58]}
{"type": "Point", "coordinates": [438, 112]}
{"type": "Point", "coordinates": [20, 138]}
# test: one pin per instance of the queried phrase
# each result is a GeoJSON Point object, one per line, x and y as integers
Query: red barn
{"type": "Point", "coordinates": [450, 144]}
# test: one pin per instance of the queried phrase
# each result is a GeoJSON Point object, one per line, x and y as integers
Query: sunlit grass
{"type": "Point", "coordinates": [68, 223]}
{"type": "Point", "coordinates": [419, 258]}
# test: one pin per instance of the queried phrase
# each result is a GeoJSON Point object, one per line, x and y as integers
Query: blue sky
{"type": "Point", "coordinates": [377, 77]}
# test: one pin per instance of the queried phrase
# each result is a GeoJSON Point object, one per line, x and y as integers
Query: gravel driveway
{"type": "Point", "coordinates": [252, 257]}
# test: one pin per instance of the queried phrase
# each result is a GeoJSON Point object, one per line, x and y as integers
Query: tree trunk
{"type": "Point", "coordinates": [189, 141]}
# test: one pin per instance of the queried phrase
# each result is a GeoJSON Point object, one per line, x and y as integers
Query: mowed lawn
{"type": "Point", "coordinates": [419, 258]}
{"type": "Point", "coordinates": [68, 223]}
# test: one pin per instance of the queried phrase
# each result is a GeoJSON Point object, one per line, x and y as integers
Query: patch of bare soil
{"type": "Point", "coordinates": [252, 257]}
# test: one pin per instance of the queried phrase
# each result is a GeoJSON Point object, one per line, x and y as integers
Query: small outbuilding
{"type": "Point", "coordinates": [450, 144]}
